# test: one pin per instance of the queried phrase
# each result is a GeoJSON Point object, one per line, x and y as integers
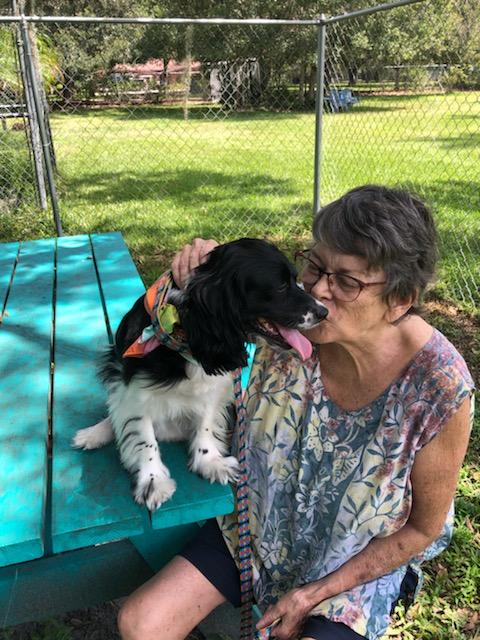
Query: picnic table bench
{"type": "Point", "coordinates": [71, 535]}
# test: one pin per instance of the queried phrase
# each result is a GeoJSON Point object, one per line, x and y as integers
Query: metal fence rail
{"type": "Point", "coordinates": [171, 128]}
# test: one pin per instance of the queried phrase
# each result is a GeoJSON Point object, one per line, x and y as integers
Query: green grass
{"type": "Point", "coordinates": [162, 180]}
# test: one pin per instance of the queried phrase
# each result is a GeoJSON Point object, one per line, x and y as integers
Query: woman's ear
{"type": "Point", "coordinates": [399, 307]}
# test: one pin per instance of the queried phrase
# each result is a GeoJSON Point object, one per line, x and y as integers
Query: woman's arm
{"type": "Point", "coordinates": [434, 478]}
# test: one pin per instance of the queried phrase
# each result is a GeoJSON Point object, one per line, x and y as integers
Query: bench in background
{"type": "Point", "coordinates": [340, 99]}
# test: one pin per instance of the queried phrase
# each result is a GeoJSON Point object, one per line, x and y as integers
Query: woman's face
{"type": "Point", "coordinates": [347, 321]}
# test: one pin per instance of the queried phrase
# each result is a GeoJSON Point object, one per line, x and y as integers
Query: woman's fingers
{"type": "Point", "coordinates": [189, 258]}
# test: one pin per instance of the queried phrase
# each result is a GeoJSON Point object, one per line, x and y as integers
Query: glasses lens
{"type": "Point", "coordinates": [344, 287]}
{"type": "Point", "coordinates": [310, 270]}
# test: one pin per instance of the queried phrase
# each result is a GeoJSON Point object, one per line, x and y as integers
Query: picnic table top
{"type": "Point", "coordinates": [61, 301]}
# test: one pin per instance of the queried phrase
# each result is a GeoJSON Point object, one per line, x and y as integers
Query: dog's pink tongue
{"type": "Point", "coordinates": [298, 342]}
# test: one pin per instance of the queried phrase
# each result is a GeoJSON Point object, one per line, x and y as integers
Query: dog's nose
{"type": "Point", "coordinates": [321, 311]}
{"type": "Point", "coordinates": [314, 315]}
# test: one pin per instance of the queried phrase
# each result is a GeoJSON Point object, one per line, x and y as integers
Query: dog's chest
{"type": "Point", "coordinates": [190, 396]}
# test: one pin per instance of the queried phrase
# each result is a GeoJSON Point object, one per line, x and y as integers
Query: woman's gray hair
{"type": "Point", "coordinates": [392, 229]}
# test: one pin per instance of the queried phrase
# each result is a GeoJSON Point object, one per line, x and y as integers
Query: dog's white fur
{"type": "Point", "coordinates": [163, 397]}
{"type": "Point", "coordinates": [193, 410]}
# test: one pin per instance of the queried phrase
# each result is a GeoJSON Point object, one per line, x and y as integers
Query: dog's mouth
{"type": "Point", "coordinates": [286, 338]}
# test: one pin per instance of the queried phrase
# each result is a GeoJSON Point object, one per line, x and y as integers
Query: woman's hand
{"type": "Point", "coordinates": [292, 609]}
{"type": "Point", "coordinates": [189, 258]}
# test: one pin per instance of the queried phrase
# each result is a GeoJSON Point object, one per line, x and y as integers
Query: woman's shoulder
{"type": "Point", "coordinates": [434, 386]}
{"type": "Point", "coordinates": [439, 359]}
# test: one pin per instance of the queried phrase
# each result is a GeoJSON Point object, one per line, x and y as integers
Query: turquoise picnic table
{"type": "Point", "coordinates": [71, 535]}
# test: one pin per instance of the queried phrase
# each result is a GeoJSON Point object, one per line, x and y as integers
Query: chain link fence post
{"type": "Point", "coordinates": [320, 94]}
{"type": "Point", "coordinates": [40, 119]}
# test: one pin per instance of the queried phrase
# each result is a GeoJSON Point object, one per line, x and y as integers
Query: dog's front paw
{"type": "Point", "coordinates": [94, 437]}
{"type": "Point", "coordinates": [153, 491]}
{"type": "Point", "coordinates": [87, 439]}
{"type": "Point", "coordinates": [218, 469]}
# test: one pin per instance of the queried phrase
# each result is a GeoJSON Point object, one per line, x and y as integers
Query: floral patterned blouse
{"type": "Point", "coordinates": [325, 481]}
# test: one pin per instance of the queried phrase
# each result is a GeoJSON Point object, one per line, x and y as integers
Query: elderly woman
{"type": "Point", "coordinates": [354, 455]}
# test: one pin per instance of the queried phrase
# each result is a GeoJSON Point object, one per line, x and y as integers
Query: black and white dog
{"type": "Point", "coordinates": [245, 288]}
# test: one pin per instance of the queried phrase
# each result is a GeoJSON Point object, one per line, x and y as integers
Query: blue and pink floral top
{"type": "Point", "coordinates": [325, 481]}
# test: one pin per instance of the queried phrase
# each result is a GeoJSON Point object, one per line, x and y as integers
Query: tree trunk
{"type": "Point", "coordinates": [312, 81]}
{"type": "Point", "coordinates": [301, 84]}
{"type": "Point", "coordinates": [352, 76]}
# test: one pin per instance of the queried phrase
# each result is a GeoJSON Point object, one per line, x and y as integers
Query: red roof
{"type": "Point", "coordinates": [155, 66]}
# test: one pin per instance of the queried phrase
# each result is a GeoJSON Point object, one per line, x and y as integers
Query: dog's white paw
{"type": "Point", "coordinates": [153, 491]}
{"type": "Point", "coordinates": [218, 469]}
{"type": "Point", "coordinates": [94, 437]}
{"type": "Point", "coordinates": [87, 439]}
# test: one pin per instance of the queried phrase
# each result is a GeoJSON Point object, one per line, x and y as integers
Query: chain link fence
{"type": "Point", "coordinates": [17, 179]}
{"type": "Point", "coordinates": [415, 125]}
{"type": "Point", "coordinates": [168, 131]}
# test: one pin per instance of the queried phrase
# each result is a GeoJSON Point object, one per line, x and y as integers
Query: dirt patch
{"type": "Point", "coordinates": [94, 623]}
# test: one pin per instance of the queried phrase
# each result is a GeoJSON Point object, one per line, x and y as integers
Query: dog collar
{"type": "Point", "coordinates": [165, 328]}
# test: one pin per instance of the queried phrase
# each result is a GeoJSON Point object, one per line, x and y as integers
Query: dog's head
{"type": "Point", "coordinates": [246, 287]}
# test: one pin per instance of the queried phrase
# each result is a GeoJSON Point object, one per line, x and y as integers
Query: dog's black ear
{"type": "Point", "coordinates": [131, 326]}
{"type": "Point", "coordinates": [211, 317]}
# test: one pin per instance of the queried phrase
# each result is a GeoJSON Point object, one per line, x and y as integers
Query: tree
{"type": "Point", "coordinates": [84, 50]}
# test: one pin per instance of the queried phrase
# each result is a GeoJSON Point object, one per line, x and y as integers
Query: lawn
{"type": "Point", "coordinates": [162, 179]}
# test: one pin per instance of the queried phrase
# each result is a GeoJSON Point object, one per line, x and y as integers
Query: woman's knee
{"type": "Point", "coordinates": [155, 610]}
{"type": "Point", "coordinates": [135, 624]}
{"type": "Point", "coordinates": [129, 622]}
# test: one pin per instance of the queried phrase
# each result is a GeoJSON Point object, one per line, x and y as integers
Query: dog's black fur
{"type": "Point", "coordinates": [162, 396]}
{"type": "Point", "coordinates": [241, 282]}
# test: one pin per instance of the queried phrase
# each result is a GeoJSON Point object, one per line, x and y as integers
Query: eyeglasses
{"type": "Point", "coordinates": [343, 287]}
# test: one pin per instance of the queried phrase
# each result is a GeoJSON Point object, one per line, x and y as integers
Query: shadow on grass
{"type": "Point", "coordinates": [164, 236]}
{"type": "Point", "coordinates": [185, 188]}
{"type": "Point", "coordinates": [153, 238]}
{"type": "Point", "coordinates": [155, 112]}
{"type": "Point", "coordinates": [216, 113]}
{"type": "Point", "coordinates": [400, 97]}
{"type": "Point", "coordinates": [456, 206]}
{"type": "Point", "coordinates": [459, 195]}
{"type": "Point", "coordinates": [160, 211]}
{"type": "Point", "coordinates": [465, 140]}
{"type": "Point", "coordinates": [364, 107]}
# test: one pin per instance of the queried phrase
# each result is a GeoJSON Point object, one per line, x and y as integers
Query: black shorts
{"type": "Point", "coordinates": [210, 555]}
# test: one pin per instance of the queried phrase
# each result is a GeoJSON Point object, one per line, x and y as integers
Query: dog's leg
{"type": "Point", "coordinates": [94, 437]}
{"type": "Point", "coordinates": [208, 447]}
{"type": "Point", "coordinates": [140, 455]}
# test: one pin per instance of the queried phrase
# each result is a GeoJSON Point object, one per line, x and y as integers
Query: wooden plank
{"type": "Point", "coordinates": [24, 387]}
{"type": "Point", "coordinates": [91, 499]}
{"type": "Point", "coordinates": [119, 278]}
{"type": "Point", "coordinates": [75, 580]}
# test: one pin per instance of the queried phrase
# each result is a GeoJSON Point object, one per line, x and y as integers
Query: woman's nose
{"type": "Point", "coordinates": [321, 288]}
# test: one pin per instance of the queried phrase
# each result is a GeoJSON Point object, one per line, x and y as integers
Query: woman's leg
{"type": "Point", "coordinates": [169, 605]}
